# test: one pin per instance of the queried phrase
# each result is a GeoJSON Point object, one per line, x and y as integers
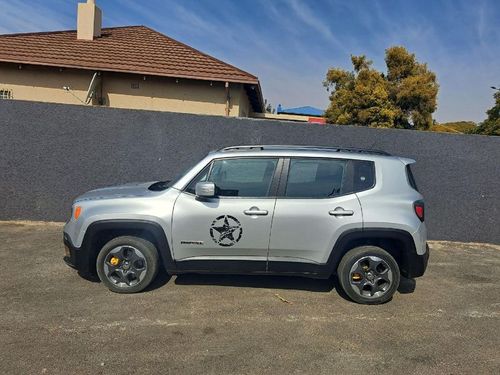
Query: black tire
{"type": "Point", "coordinates": [364, 274]}
{"type": "Point", "coordinates": [125, 278]}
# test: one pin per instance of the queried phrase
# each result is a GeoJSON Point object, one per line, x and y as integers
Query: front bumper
{"type": "Point", "coordinates": [75, 257]}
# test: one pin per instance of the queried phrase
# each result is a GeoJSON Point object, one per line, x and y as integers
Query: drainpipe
{"type": "Point", "coordinates": [228, 99]}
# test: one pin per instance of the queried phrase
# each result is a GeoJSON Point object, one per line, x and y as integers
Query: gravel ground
{"type": "Point", "coordinates": [52, 321]}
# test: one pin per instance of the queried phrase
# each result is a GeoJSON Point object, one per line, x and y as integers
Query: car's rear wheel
{"type": "Point", "coordinates": [368, 275]}
{"type": "Point", "coordinates": [127, 264]}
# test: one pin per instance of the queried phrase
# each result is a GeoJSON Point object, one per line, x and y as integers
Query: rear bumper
{"type": "Point", "coordinates": [75, 257]}
{"type": "Point", "coordinates": [415, 264]}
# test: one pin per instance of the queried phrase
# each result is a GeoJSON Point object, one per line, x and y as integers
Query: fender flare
{"type": "Point", "coordinates": [376, 234]}
{"type": "Point", "coordinates": [150, 227]}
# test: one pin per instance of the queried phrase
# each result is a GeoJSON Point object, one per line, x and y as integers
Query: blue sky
{"type": "Point", "coordinates": [289, 44]}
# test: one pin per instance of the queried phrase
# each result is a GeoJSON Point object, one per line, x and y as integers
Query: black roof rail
{"type": "Point", "coordinates": [308, 148]}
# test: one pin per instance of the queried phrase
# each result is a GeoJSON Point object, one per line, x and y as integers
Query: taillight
{"type": "Point", "coordinates": [419, 208]}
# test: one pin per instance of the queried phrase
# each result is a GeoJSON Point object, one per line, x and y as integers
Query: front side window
{"type": "Point", "coordinates": [245, 177]}
{"type": "Point", "coordinates": [327, 178]}
{"type": "Point", "coordinates": [201, 177]}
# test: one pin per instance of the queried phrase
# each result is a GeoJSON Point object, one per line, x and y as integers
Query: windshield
{"type": "Point", "coordinates": [164, 185]}
{"type": "Point", "coordinates": [178, 176]}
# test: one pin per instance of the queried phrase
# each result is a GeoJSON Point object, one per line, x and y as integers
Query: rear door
{"type": "Point", "coordinates": [316, 203]}
{"type": "Point", "coordinates": [230, 232]}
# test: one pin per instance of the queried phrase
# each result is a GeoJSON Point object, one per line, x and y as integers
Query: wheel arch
{"type": "Point", "coordinates": [397, 242]}
{"type": "Point", "coordinates": [100, 232]}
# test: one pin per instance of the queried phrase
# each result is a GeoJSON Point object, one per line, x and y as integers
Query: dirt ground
{"type": "Point", "coordinates": [52, 321]}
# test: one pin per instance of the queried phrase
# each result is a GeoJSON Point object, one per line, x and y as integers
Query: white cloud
{"type": "Point", "coordinates": [304, 13]}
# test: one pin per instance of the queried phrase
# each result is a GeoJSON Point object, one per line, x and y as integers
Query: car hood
{"type": "Point", "coordinates": [122, 191]}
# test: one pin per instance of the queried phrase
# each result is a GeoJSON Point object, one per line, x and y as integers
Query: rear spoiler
{"type": "Point", "coordinates": [407, 161]}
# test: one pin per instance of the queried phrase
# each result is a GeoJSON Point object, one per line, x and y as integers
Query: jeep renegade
{"type": "Point", "coordinates": [288, 210]}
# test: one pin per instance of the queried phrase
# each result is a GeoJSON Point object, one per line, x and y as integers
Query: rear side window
{"type": "Point", "coordinates": [326, 178]}
{"type": "Point", "coordinates": [411, 179]}
{"type": "Point", "coordinates": [315, 178]}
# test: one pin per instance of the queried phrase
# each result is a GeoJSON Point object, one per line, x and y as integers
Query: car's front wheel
{"type": "Point", "coordinates": [127, 264]}
{"type": "Point", "coordinates": [368, 275]}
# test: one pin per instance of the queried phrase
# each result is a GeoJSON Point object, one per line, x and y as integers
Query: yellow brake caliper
{"type": "Point", "coordinates": [356, 277]}
{"type": "Point", "coordinates": [114, 261]}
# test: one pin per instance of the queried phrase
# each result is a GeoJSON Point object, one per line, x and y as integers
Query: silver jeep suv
{"type": "Point", "coordinates": [286, 210]}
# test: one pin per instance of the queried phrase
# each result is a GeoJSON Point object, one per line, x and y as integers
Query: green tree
{"type": "Point", "coordinates": [359, 97]}
{"type": "Point", "coordinates": [461, 127]}
{"type": "Point", "coordinates": [491, 126]}
{"type": "Point", "coordinates": [413, 89]}
{"type": "Point", "coordinates": [405, 97]}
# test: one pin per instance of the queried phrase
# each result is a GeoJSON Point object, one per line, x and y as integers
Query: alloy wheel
{"type": "Point", "coordinates": [371, 277]}
{"type": "Point", "coordinates": [125, 266]}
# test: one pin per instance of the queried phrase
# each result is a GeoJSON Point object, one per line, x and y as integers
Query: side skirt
{"type": "Point", "coordinates": [235, 267]}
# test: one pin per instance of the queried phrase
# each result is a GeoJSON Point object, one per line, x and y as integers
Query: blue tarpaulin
{"type": "Point", "coordinates": [305, 111]}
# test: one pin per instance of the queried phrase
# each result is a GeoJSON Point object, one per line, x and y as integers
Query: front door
{"type": "Point", "coordinates": [230, 232]}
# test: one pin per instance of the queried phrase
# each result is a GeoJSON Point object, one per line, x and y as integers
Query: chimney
{"type": "Point", "coordinates": [89, 21]}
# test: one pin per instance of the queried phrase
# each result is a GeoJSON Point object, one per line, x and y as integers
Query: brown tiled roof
{"type": "Point", "coordinates": [129, 49]}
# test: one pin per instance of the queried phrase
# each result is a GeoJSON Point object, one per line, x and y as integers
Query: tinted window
{"type": "Point", "coordinates": [411, 179]}
{"type": "Point", "coordinates": [363, 176]}
{"type": "Point", "coordinates": [326, 178]}
{"type": "Point", "coordinates": [315, 178]}
{"type": "Point", "coordinates": [244, 177]}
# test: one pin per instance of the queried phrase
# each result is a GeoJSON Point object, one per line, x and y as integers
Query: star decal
{"type": "Point", "coordinates": [226, 230]}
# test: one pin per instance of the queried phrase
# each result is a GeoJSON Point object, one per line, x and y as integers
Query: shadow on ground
{"type": "Point", "coordinates": [406, 286]}
{"type": "Point", "coordinates": [258, 281]}
{"type": "Point", "coordinates": [162, 279]}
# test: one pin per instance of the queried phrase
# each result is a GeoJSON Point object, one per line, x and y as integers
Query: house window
{"type": "Point", "coordinates": [6, 94]}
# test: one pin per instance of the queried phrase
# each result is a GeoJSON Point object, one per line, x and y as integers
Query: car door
{"type": "Point", "coordinates": [316, 203]}
{"type": "Point", "coordinates": [229, 232]}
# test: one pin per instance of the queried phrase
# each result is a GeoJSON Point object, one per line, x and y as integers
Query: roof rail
{"type": "Point", "coordinates": [241, 148]}
{"type": "Point", "coordinates": [305, 148]}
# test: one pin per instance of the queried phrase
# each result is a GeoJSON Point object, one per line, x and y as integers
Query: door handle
{"type": "Point", "coordinates": [339, 211]}
{"type": "Point", "coordinates": [254, 211]}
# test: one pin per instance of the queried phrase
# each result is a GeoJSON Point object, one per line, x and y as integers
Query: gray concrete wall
{"type": "Point", "coordinates": [50, 153]}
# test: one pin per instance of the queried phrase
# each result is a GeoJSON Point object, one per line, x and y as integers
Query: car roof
{"type": "Point", "coordinates": [303, 147]}
{"type": "Point", "coordinates": [302, 150]}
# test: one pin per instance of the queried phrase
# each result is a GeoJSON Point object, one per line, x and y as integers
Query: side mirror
{"type": "Point", "coordinates": [205, 189]}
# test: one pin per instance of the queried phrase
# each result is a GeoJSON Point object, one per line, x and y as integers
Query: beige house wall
{"type": "Point", "coordinates": [245, 108]}
{"type": "Point", "coordinates": [169, 94]}
{"type": "Point", "coordinates": [124, 90]}
{"type": "Point", "coordinates": [44, 84]}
